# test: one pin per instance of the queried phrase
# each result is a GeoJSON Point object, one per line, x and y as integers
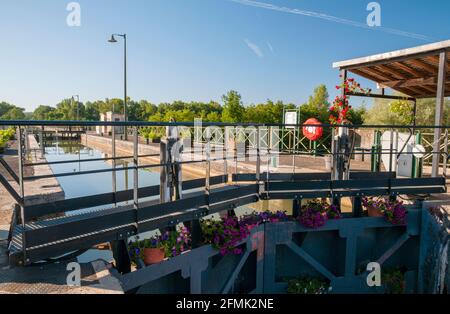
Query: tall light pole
{"type": "Point", "coordinates": [113, 40]}
{"type": "Point", "coordinates": [78, 105]}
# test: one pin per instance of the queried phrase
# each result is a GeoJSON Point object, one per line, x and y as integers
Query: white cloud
{"type": "Point", "coordinates": [270, 47]}
{"type": "Point", "coordinates": [254, 48]}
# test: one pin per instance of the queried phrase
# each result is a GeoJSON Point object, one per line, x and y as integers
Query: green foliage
{"type": "Point", "coordinates": [393, 279]}
{"type": "Point", "coordinates": [268, 112]}
{"type": "Point", "coordinates": [151, 133]}
{"type": "Point", "coordinates": [356, 116]}
{"type": "Point", "coordinates": [4, 108]}
{"type": "Point", "coordinates": [233, 110]}
{"type": "Point", "coordinates": [5, 136]}
{"type": "Point", "coordinates": [308, 285]}
{"type": "Point", "coordinates": [400, 112]}
{"type": "Point", "coordinates": [210, 228]}
{"type": "Point", "coordinates": [319, 99]}
{"type": "Point", "coordinates": [44, 113]}
{"type": "Point", "coordinates": [11, 112]}
{"type": "Point", "coordinates": [403, 110]}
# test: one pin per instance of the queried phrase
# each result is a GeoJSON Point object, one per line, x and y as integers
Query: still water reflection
{"type": "Point", "coordinates": [83, 185]}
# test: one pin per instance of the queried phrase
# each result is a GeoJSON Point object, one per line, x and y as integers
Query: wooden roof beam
{"type": "Point", "coordinates": [378, 73]}
{"type": "Point", "coordinates": [426, 89]}
{"type": "Point", "coordinates": [435, 59]}
{"type": "Point", "coordinates": [408, 69]}
{"type": "Point", "coordinates": [374, 76]}
{"type": "Point", "coordinates": [368, 76]}
{"type": "Point", "coordinates": [426, 66]}
{"type": "Point", "coordinates": [393, 72]}
{"type": "Point", "coordinates": [410, 82]}
{"type": "Point", "coordinates": [413, 82]}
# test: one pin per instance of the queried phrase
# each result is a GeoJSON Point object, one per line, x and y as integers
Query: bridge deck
{"type": "Point", "coordinates": [74, 231]}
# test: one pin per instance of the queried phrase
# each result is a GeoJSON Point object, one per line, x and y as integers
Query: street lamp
{"type": "Point", "coordinates": [78, 106]}
{"type": "Point", "coordinates": [113, 40]}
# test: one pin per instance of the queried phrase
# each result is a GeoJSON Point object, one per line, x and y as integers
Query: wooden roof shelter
{"type": "Point", "coordinates": [413, 71]}
{"type": "Point", "coordinates": [419, 72]}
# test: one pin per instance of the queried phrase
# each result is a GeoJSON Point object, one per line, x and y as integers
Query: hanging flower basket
{"type": "Point", "coordinates": [340, 108]}
{"type": "Point", "coordinates": [315, 214]}
{"type": "Point", "coordinates": [393, 211]}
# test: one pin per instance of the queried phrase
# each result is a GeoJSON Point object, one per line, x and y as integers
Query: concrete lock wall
{"type": "Point", "coordinates": [338, 252]}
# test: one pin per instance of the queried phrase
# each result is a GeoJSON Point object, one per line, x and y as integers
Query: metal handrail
{"type": "Point", "coordinates": [143, 123]}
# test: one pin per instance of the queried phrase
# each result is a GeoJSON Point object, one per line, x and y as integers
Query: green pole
{"type": "Point", "coordinates": [315, 148]}
{"type": "Point", "coordinates": [376, 150]}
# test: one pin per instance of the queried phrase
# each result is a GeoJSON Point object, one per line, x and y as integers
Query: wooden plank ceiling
{"type": "Point", "coordinates": [414, 75]}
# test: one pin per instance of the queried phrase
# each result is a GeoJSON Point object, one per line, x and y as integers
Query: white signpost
{"type": "Point", "coordinates": [290, 117]}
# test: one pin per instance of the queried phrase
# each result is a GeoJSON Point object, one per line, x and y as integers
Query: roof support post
{"type": "Point", "coordinates": [340, 172]}
{"type": "Point", "coordinates": [113, 173]}
{"type": "Point", "coordinates": [20, 134]}
{"type": "Point", "coordinates": [439, 112]}
{"type": "Point", "coordinates": [135, 172]}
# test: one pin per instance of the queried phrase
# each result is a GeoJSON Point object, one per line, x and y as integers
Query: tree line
{"type": "Point", "coordinates": [230, 109]}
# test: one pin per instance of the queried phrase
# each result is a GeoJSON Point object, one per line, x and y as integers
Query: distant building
{"type": "Point", "coordinates": [109, 116]}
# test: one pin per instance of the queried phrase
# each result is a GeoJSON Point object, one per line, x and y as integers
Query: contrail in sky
{"type": "Point", "coordinates": [330, 18]}
{"type": "Point", "coordinates": [254, 48]}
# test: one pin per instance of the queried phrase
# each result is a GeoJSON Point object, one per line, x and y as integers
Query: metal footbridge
{"type": "Point", "coordinates": [50, 231]}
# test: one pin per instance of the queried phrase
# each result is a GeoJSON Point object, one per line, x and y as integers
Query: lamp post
{"type": "Point", "coordinates": [113, 40]}
{"type": "Point", "coordinates": [78, 106]}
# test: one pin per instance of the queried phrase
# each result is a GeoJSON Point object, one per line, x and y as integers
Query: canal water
{"type": "Point", "coordinates": [84, 185]}
{"type": "Point", "coordinates": [90, 184]}
{"type": "Point", "coordinates": [98, 183]}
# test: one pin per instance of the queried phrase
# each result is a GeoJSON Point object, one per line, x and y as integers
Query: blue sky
{"type": "Point", "coordinates": [195, 49]}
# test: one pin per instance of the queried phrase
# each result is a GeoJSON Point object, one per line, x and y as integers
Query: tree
{"type": "Point", "coordinates": [268, 112]}
{"type": "Point", "coordinates": [43, 113]}
{"type": "Point", "coordinates": [184, 115]}
{"type": "Point", "coordinates": [14, 113]}
{"type": "Point", "coordinates": [212, 117]}
{"type": "Point", "coordinates": [319, 99]}
{"type": "Point", "coordinates": [400, 112]}
{"type": "Point", "coordinates": [144, 110]}
{"type": "Point", "coordinates": [317, 105]}
{"type": "Point", "coordinates": [5, 107]}
{"type": "Point", "coordinates": [233, 110]}
{"type": "Point", "coordinates": [69, 109]}
{"type": "Point", "coordinates": [91, 111]}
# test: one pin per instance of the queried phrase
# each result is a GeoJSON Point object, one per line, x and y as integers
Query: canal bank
{"type": "Point", "coordinates": [301, 164]}
{"type": "Point", "coordinates": [42, 190]}
{"type": "Point", "coordinates": [125, 148]}
{"type": "Point", "coordinates": [36, 191]}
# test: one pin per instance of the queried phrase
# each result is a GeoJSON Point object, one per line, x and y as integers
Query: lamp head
{"type": "Point", "coordinates": [112, 39]}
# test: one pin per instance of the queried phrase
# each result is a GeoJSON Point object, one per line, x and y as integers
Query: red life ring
{"type": "Point", "coordinates": [312, 132]}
